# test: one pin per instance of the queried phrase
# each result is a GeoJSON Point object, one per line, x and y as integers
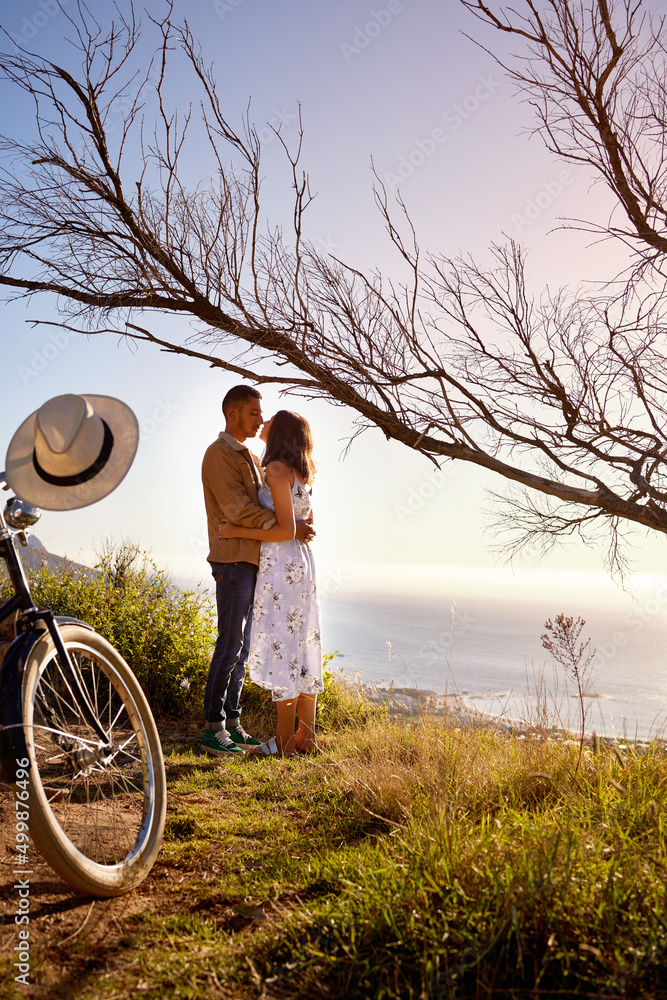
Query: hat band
{"type": "Point", "coordinates": [87, 474]}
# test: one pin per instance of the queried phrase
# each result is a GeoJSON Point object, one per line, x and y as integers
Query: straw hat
{"type": "Point", "coordinates": [72, 451]}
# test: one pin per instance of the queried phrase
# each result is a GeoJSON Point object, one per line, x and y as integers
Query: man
{"type": "Point", "coordinates": [231, 476]}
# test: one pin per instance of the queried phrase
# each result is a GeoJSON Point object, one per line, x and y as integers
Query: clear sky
{"type": "Point", "coordinates": [373, 81]}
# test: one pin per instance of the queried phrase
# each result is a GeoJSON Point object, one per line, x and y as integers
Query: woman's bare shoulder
{"type": "Point", "coordinates": [278, 470]}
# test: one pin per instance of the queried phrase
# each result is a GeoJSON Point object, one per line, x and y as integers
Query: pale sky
{"type": "Point", "coordinates": [397, 82]}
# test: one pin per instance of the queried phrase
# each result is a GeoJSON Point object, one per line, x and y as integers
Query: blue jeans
{"type": "Point", "coordinates": [234, 592]}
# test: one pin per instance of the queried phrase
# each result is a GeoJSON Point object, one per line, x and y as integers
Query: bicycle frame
{"type": "Point", "coordinates": [11, 715]}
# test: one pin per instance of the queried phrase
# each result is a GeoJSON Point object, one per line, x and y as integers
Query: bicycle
{"type": "Point", "coordinates": [77, 732]}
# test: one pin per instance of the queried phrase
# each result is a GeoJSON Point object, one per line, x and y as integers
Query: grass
{"type": "Point", "coordinates": [416, 858]}
{"type": "Point", "coordinates": [412, 859]}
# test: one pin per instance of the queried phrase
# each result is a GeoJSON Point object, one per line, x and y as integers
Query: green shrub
{"type": "Point", "coordinates": [165, 634]}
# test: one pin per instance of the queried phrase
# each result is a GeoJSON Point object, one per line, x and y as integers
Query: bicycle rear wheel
{"type": "Point", "coordinates": [97, 816]}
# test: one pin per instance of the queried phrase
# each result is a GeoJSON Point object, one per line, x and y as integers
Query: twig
{"type": "Point", "coordinates": [76, 933]}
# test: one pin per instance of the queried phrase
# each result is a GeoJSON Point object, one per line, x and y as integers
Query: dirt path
{"type": "Point", "coordinates": [74, 938]}
{"type": "Point", "coordinates": [57, 914]}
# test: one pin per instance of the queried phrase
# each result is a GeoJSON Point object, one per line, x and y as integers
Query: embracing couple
{"type": "Point", "coordinates": [268, 615]}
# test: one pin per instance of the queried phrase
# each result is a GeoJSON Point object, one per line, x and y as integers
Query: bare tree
{"type": "Point", "coordinates": [594, 75]}
{"type": "Point", "coordinates": [563, 395]}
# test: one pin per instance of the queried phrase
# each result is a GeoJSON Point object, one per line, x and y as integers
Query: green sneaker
{"type": "Point", "coordinates": [239, 735]}
{"type": "Point", "coordinates": [219, 743]}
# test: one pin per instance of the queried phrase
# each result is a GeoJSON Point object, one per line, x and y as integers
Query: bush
{"type": "Point", "coordinates": [165, 634]}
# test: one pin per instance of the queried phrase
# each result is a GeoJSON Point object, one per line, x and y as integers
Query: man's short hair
{"type": "Point", "coordinates": [238, 395]}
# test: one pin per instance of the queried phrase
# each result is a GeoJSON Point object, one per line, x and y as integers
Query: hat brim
{"type": "Point", "coordinates": [27, 484]}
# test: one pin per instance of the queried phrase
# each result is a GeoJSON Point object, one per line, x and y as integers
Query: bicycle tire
{"type": "Point", "coordinates": [98, 821]}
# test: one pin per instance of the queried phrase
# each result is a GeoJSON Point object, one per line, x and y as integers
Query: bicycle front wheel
{"type": "Point", "coordinates": [96, 813]}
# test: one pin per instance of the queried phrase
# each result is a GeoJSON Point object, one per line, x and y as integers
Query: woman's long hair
{"type": "Point", "coordinates": [290, 441]}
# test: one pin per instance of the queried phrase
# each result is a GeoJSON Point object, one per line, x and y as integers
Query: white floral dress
{"type": "Point", "coordinates": [285, 643]}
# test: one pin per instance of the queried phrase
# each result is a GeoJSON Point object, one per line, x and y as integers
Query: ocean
{"type": "Point", "coordinates": [483, 642]}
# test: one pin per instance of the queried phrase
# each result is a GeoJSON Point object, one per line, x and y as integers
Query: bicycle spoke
{"type": "Point", "coordinates": [103, 809]}
{"type": "Point", "coordinates": [102, 813]}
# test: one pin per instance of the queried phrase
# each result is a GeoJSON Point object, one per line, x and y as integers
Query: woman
{"type": "Point", "coordinates": [285, 644]}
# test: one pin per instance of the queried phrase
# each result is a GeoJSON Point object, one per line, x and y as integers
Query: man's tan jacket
{"type": "Point", "coordinates": [231, 475]}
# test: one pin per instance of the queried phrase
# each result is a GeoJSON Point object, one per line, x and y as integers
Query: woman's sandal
{"type": "Point", "coordinates": [268, 749]}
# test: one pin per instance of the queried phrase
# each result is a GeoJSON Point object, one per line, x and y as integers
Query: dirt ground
{"type": "Point", "coordinates": [60, 916]}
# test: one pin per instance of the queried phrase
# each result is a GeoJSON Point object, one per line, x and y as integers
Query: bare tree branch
{"type": "Point", "coordinates": [563, 394]}
{"type": "Point", "coordinates": [595, 75]}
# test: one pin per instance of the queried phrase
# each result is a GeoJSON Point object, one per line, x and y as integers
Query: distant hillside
{"type": "Point", "coordinates": [35, 553]}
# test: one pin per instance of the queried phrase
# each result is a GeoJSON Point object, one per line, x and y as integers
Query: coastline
{"type": "Point", "coordinates": [404, 702]}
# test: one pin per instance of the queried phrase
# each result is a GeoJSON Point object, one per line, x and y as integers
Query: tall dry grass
{"type": "Point", "coordinates": [492, 864]}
